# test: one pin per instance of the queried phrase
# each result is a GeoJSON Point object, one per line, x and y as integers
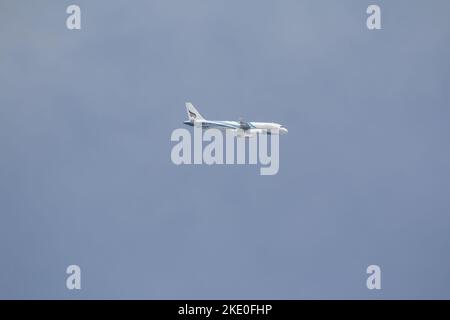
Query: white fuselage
{"type": "Point", "coordinates": [241, 128]}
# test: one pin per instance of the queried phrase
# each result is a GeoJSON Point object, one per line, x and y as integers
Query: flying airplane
{"type": "Point", "coordinates": [240, 128]}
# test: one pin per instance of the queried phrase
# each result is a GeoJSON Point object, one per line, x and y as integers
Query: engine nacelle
{"type": "Point", "coordinates": [249, 133]}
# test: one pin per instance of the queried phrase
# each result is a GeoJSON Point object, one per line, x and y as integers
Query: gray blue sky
{"type": "Point", "coordinates": [85, 170]}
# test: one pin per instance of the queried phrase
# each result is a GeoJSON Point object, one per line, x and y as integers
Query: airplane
{"type": "Point", "coordinates": [240, 128]}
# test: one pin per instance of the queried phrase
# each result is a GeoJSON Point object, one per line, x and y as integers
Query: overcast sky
{"type": "Point", "coordinates": [86, 176]}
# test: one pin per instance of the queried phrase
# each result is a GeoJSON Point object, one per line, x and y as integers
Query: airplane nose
{"type": "Point", "coordinates": [283, 130]}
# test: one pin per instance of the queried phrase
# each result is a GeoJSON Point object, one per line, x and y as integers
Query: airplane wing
{"type": "Point", "coordinates": [244, 125]}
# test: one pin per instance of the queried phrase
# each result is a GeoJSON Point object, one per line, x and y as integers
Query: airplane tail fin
{"type": "Point", "coordinates": [193, 114]}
